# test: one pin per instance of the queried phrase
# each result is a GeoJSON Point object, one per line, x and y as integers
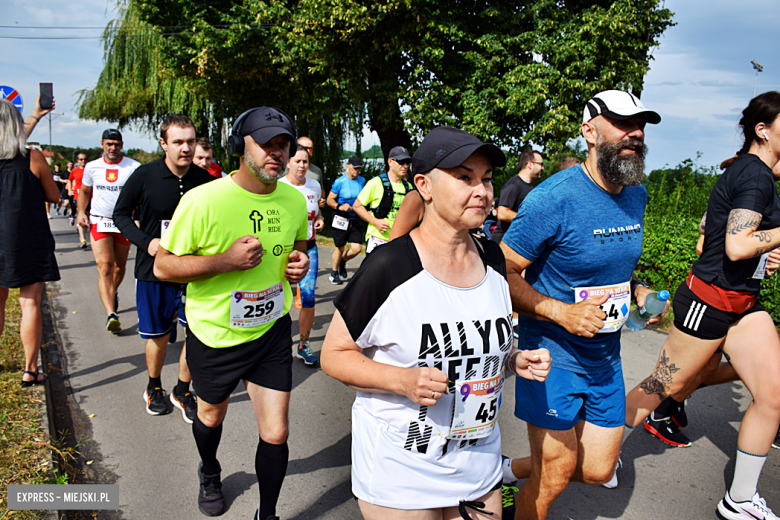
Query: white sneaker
{"type": "Point", "coordinates": [755, 509]}
{"type": "Point", "coordinates": [613, 482]}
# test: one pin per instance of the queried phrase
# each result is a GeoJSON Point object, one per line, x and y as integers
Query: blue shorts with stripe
{"type": "Point", "coordinates": [566, 397]}
{"type": "Point", "coordinates": [695, 317]}
{"type": "Point", "coordinates": [157, 304]}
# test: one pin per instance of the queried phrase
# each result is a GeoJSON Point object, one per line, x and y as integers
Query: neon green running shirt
{"type": "Point", "coordinates": [237, 307]}
{"type": "Point", "coordinates": [371, 195]}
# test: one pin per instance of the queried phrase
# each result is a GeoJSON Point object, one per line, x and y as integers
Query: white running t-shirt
{"type": "Point", "coordinates": [106, 181]}
{"type": "Point", "coordinates": [401, 315]}
{"type": "Point", "coordinates": [312, 192]}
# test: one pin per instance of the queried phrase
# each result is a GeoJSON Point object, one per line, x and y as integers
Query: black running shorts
{"type": "Point", "coordinates": [695, 317]}
{"type": "Point", "coordinates": [353, 234]}
{"type": "Point", "coordinates": [265, 361]}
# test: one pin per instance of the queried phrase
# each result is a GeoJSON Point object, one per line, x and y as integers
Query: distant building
{"type": "Point", "coordinates": [46, 153]}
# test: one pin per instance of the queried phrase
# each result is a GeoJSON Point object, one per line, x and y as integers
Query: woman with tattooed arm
{"type": "Point", "coordinates": [718, 305]}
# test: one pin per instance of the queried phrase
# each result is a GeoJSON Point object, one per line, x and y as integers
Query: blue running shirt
{"type": "Point", "coordinates": [347, 191]}
{"type": "Point", "coordinates": [577, 235]}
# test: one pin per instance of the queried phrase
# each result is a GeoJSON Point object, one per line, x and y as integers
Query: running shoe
{"type": "Point", "coordinates": [155, 402]}
{"type": "Point", "coordinates": [71, 220]}
{"type": "Point", "coordinates": [613, 482]}
{"type": "Point", "coordinates": [57, 211]}
{"type": "Point", "coordinates": [112, 323]}
{"type": "Point", "coordinates": [211, 501]}
{"type": "Point", "coordinates": [83, 244]}
{"type": "Point", "coordinates": [305, 353]}
{"type": "Point", "coordinates": [343, 269]}
{"type": "Point", "coordinates": [666, 430]}
{"type": "Point", "coordinates": [334, 278]}
{"type": "Point", "coordinates": [48, 216]}
{"type": "Point", "coordinates": [678, 413]}
{"type": "Point", "coordinates": [755, 509]}
{"type": "Point", "coordinates": [776, 443]}
{"type": "Point", "coordinates": [187, 403]}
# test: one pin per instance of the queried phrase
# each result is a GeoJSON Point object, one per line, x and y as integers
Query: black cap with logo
{"type": "Point", "coordinates": [113, 134]}
{"type": "Point", "coordinates": [265, 123]}
{"type": "Point", "coordinates": [399, 153]}
{"type": "Point", "coordinates": [446, 147]}
{"type": "Point", "coordinates": [355, 162]}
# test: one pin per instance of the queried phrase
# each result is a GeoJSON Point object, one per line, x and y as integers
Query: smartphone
{"type": "Point", "coordinates": [47, 95]}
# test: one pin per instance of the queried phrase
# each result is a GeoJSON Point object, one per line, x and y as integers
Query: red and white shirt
{"type": "Point", "coordinates": [106, 180]}
{"type": "Point", "coordinates": [311, 192]}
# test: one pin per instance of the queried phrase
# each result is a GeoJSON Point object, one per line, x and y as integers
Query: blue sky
{"type": "Point", "coordinates": [699, 81]}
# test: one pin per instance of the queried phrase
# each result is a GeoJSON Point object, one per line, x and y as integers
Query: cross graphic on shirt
{"type": "Point", "coordinates": [256, 217]}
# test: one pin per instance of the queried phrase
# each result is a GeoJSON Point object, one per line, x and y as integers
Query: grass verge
{"type": "Point", "coordinates": [24, 448]}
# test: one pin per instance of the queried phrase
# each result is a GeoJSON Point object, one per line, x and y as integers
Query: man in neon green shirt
{"type": "Point", "coordinates": [239, 243]}
{"type": "Point", "coordinates": [376, 206]}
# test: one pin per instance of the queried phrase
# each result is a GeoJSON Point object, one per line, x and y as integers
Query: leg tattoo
{"type": "Point", "coordinates": [658, 383]}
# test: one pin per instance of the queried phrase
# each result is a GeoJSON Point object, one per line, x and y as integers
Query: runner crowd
{"type": "Point", "coordinates": [552, 266]}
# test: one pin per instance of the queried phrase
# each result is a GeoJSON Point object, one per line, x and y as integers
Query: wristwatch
{"type": "Point", "coordinates": [634, 284]}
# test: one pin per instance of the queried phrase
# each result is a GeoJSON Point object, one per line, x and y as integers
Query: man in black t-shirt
{"type": "Point", "coordinates": [153, 192]}
{"type": "Point", "coordinates": [515, 190]}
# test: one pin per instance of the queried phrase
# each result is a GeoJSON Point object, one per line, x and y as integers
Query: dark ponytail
{"type": "Point", "coordinates": [728, 162]}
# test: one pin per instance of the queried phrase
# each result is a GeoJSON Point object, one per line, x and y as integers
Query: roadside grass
{"type": "Point", "coordinates": [24, 451]}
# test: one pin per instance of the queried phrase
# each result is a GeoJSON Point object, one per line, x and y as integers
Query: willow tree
{"type": "Point", "coordinates": [137, 85]}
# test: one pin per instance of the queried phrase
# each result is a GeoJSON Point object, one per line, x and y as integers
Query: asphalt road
{"type": "Point", "coordinates": [154, 459]}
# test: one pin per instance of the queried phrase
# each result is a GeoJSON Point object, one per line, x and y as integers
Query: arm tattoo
{"type": "Point", "coordinates": [763, 236]}
{"type": "Point", "coordinates": [765, 249]}
{"type": "Point", "coordinates": [658, 383]}
{"type": "Point", "coordinates": [741, 220]}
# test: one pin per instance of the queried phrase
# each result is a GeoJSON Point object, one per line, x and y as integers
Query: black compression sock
{"type": "Point", "coordinates": [271, 467]}
{"type": "Point", "coordinates": [207, 439]}
{"type": "Point", "coordinates": [154, 382]}
{"type": "Point", "coordinates": [663, 408]}
{"type": "Point", "coordinates": [182, 387]}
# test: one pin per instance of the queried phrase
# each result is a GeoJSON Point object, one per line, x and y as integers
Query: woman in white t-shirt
{"type": "Point", "coordinates": [311, 191]}
{"type": "Point", "coordinates": [423, 331]}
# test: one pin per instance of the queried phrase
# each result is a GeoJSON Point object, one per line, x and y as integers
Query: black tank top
{"type": "Point", "coordinates": [26, 242]}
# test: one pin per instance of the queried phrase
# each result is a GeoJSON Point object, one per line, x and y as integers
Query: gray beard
{"type": "Point", "coordinates": [623, 170]}
{"type": "Point", "coordinates": [257, 171]}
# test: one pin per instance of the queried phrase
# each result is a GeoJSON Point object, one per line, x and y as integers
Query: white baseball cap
{"type": "Point", "coordinates": [617, 104]}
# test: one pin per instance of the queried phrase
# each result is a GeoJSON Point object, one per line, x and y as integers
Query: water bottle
{"type": "Point", "coordinates": [655, 303]}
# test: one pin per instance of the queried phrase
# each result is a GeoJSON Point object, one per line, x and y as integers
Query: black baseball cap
{"type": "Point", "coordinates": [355, 162]}
{"type": "Point", "coordinates": [399, 152]}
{"type": "Point", "coordinates": [265, 123]}
{"type": "Point", "coordinates": [113, 134]}
{"type": "Point", "coordinates": [446, 147]}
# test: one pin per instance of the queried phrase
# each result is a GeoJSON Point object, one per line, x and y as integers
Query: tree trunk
{"type": "Point", "coordinates": [384, 113]}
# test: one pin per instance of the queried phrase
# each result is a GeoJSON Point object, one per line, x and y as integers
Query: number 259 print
{"type": "Point", "coordinates": [255, 308]}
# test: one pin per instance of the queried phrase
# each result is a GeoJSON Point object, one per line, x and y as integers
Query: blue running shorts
{"type": "Point", "coordinates": [157, 303]}
{"type": "Point", "coordinates": [566, 397]}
